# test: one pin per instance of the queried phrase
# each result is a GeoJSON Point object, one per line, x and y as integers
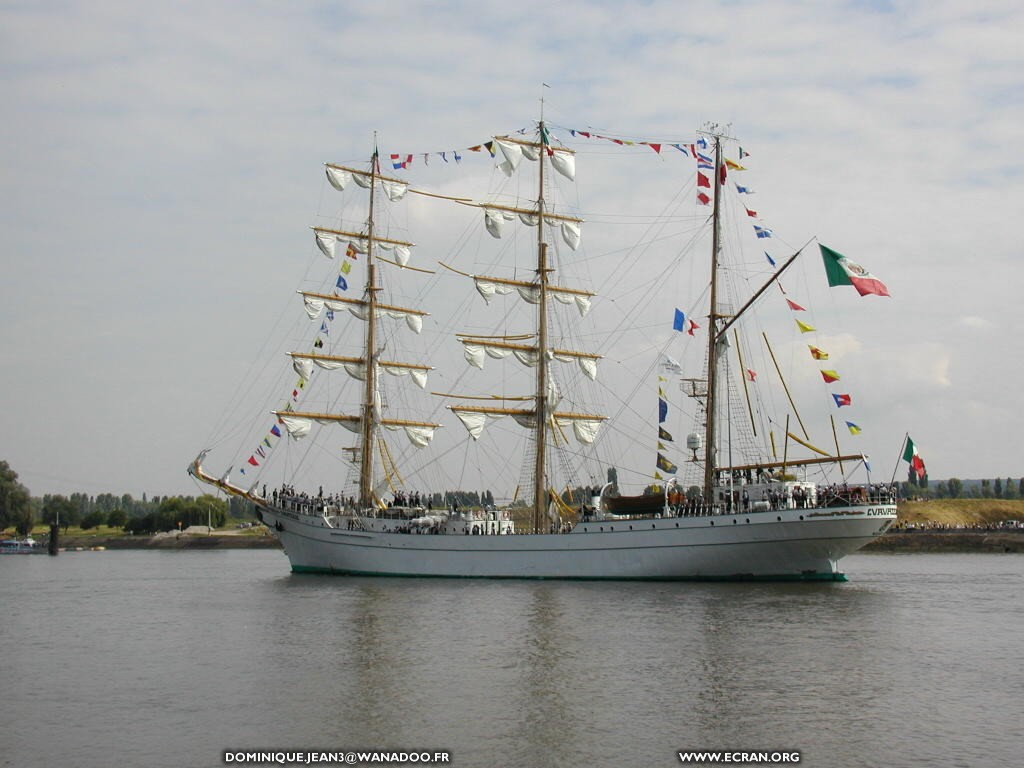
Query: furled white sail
{"type": "Point", "coordinates": [513, 154]}
{"type": "Point", "coordinates": [303, 367]}
{"type": "Point", "coordinates": [315, 303]}
{"type": "Point", "coordinates": [494, 221]}
{"type": "Point", "coordinates": [581, 301]}
{"type": "Point", "coordinates": [325, 242]}
{"type": "Point", "coordinates": [563, 161]}
{"type": "Point", "coordinates": [473, 422]}
{"type": "Point", "coordinates": [476, 349]}
{"type": "Point", "coordinates": [587, 364]}
{"type": "Point", "coordinates": [314, 306]}
{"type": "Point", "coordinates": [413, 320]}
{"type": "Point", "coordinates": [487, 289]}
{"type": "Point", "coordinates": [328, 242]}
{"type": "Point", "coordinates": [299, 426]}
{"type": "Point", "coordinates": [400, 252]}
{"type": "Point", "coordinates": [338, 177]}
{"type": "Point", "coordinates": [418, 435]}
{"type": "Point", "coordinates": [356, 370]}
{"type": "Point", "coordinates": [529, 293]}
{"type": "Point", "coordinates": [474, 419]}
{"type": "Point", "coordinates": [531, 152]}
{"type": "Point", "coordinates": [417, 375]}
{"type": "Point", "coordinates": [584, 429]}
{"type": "Point", "coordinates": [571, 234]}
{"type": "Point", "coordinates": [395, 190]}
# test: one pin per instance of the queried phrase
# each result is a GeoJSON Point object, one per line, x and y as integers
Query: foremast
{"type": "Point", "coordinates": [370, 390]}
{"type": "Point", "coordinates": [368, 309]}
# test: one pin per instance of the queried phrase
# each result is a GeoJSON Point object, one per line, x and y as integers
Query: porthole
{"type": "Point", "coordinates": [801, 517]}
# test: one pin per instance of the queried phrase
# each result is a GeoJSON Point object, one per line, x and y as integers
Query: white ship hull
{"type": "Point", "coordinates": [771, 545]}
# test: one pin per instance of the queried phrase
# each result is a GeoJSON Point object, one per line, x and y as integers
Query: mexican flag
{"type": "Point", "coordinates": [841, 271]}
{"type": "Point", "coordinates": [910, 455]}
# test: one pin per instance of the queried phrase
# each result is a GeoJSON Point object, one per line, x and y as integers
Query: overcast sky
{"type": "Point", "coordinates": [162, 163]}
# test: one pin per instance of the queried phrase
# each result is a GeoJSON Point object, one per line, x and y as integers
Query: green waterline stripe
{"type": "Point", "coordinates": [816, 577]}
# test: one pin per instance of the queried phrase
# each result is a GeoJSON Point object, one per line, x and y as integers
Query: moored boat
{"type": "Point", "coordinates": [24, 546]}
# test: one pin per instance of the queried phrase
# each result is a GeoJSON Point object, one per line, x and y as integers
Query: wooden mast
{"type": "Point", "coordinates": [709, 427]}
{"type": "Point", "coordinates": [540, 432]}
{"type": "Point", "coordinates": [369, 393]}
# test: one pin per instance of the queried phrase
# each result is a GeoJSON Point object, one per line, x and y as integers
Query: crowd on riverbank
{"type": "Point", "coordinates": [930, 526]}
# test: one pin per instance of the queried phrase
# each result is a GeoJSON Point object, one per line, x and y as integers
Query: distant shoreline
{"type": "Point", "coordinates": [894, 541]}
{"type": "Point", "coordinates": [170, 542]}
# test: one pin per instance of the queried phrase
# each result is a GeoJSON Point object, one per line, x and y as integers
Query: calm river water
{"type": "Point", "coordinates": [147, 658]}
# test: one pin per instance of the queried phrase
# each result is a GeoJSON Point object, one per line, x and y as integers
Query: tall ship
{"type": "Point", "coordinates": [751, 500]}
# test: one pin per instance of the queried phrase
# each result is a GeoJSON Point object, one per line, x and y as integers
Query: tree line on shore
{"type": "Point", "coordinates": [955, 488]}
{"type": "Point", "coordinates": [22, 511]}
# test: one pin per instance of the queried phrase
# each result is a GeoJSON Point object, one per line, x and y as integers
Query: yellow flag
{"type": "Point", "coordinates": [804, 327]}
{"type": "Point", "coordinates": [733, 165]}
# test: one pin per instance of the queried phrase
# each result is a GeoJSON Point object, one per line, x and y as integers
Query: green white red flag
{"type": "Point", "coordinates": [841, 271]}
{"type": "Point", "coordinates": [911, 455]}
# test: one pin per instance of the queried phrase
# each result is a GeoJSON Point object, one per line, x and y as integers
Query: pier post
{"type": "Point", "coordinates": [54, 536]}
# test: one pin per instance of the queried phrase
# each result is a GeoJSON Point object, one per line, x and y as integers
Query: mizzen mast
{"type": "Point", "coordinates": [713, 333]}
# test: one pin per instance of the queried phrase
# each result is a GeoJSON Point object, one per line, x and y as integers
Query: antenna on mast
{"type": "Point", "coordinates": [718, 130]}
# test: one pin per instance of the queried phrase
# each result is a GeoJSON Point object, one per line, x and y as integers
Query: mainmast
{"type": "Point", "coordinates": [370, 391]}
{"type": "Point", "coordinates": [540, 433]}
{"type": "Point", "coordinates": [713, 334]}
{"type": "Point", "coordinates": [543, 419]}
